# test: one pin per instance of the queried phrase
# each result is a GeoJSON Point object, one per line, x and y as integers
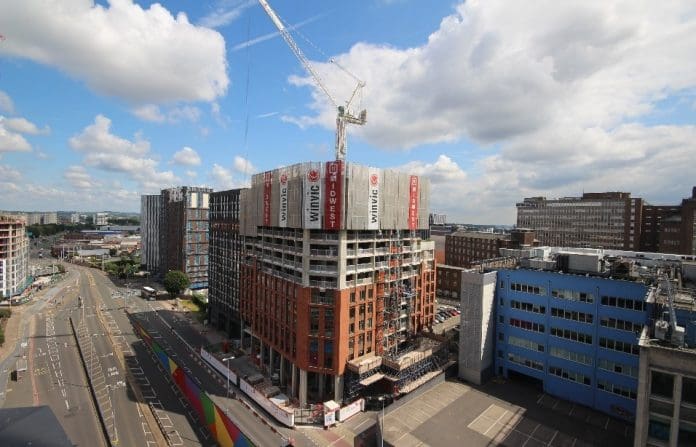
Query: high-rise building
{"type": "Point", "coordinates": [337, 273]}
{"type": "Point", "coordinates": [14, 255]}
{"type": "Point", "coordinates": [465, 248]}
{"type": "Point", "coordinates": [41, 218]}
{"type": "Point", "coordinates": [101, 219]}
{"type": "Point", "coordinates": [225, 256]}
{"type": "Point", "coordinates": [576, 335]}
{"type": "Point", "coordinates": [183, 233]}
{"type": "Point", "coordinates": [670, 228]}
{"type": "Point", "coordinates": [596, 220]}
{"type": "Point", "coordinates": [149, 230]}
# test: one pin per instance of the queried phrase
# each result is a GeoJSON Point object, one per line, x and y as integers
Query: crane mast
{"type": "Point", "coordinates": [344, 116]}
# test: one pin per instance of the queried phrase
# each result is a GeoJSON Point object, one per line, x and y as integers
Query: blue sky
{"type": "Point", "coordinates": [103, 101]}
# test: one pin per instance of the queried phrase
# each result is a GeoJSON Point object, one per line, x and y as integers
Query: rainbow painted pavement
{"type": "Point", "coordinates": [225, 432]}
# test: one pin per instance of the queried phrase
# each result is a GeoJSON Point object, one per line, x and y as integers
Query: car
{"type": "Point", "coordinates": [438, 319]}
{"type": "Point", "coordinates": [452, 312]}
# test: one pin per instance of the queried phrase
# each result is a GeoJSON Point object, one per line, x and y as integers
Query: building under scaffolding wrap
{"type": "Point", "coordinates": [396, 374]}
{"type": "Point", "coordinates": [337, 266]}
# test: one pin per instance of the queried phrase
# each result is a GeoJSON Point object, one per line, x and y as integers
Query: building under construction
{"type": "Point", "coordinates": [337, 270]}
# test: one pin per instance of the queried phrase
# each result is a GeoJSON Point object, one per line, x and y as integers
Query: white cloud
{"type": "Point", "coordinates": [554, 94]}
{"type": "Point", "coordinates": [123, 50]}
{"type": "Point", "coordinates": [8, 173]}
{"type": "Point", "coordinates": [243, 166]}
{"type": "Point", "coordinates": [152, 113]}
{"type": "Point", "coordinates": [187, 157]}
{"type": "Point", "coordinates": [225, 12]}
{"type": "Point", "coordinates": [149, 112]}
{"type": "Point", "coordinates": [191, 174]}
{"type": "Point", "coordinates": [106, 151]}
{"type": "Point", "coordinates": [6, 104]}
{"type": "Point", "coordinates": [78, 177]}
{"type": "Point", "coordinates": [23, 125]}
{"type": "Point", "coordinates": [238, 177]}
{"type": "Point", "coordinates": [222, 178]}
{"type": "Point", "coordinates": [12, 142]}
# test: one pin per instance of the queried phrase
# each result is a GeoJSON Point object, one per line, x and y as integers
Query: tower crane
{"type": "Point", "coordinates": [344, 115]}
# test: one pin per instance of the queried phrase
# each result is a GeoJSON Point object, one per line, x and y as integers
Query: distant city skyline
{"type": "Point", "coordinates": [495, 101]}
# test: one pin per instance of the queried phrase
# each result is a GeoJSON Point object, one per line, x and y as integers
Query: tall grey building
{"type": "Point", "coordinates": [183, 233]}
{"type": "Point", "coordinates": [596, 220]}
{"type": "Point", "coordinates": [149, 230]}
{"type": "Point", "coordinates": [225, 255]}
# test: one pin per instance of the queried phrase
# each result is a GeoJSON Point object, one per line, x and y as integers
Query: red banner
{"type": "Point", "coordinates": [333, 212]}
{"type": "Point", "coordinates": [267, 183]}
{"type": "Point", "coordinates": [413, 203]}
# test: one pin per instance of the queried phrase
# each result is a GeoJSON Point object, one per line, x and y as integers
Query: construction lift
{"type": "Point", "coordinates": [344, 116]}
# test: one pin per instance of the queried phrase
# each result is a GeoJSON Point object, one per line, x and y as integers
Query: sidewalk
{"type": "Point", "coordinates": [13, 331]}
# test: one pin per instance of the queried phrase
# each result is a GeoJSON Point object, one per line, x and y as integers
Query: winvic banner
{"type": "Point", "coordinates": [283, 202]}
{"type": "Point", "coordinates": [312, 196]}
{"type": "Point", "coordinates": [333, 194]}
{"type": "Point", "coordinates": [373, 199]}
{"type": "Point", "coordinates": [413, 203]}
{"type": "Point", "coordinates": [267, 185]}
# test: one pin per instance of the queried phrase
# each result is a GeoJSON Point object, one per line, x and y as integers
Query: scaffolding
{"type": "Point", "coordinates": [397, 298]}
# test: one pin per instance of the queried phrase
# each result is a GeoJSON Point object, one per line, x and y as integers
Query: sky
{"type": "Point", "coordinates": [494, 101]}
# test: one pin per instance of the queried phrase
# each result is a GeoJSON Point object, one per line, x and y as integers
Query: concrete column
{"type": "Point", "coordinates": [261, 356]}
{"type": "Point", "coordinates": [241, 334]}
{"type": "Point", "coordinates": [303, 388]}
{"type": "Point", "coordinates": [676, 398]}
{"type": "Point", "coordinates": [270, 360]}
{"type": "Point", "coordinates": [338, 389]}
{"type": "Point", "coordinates": [293, 380]}
{"type": "Point", "coordinates": [282, 371]}
{"type": "Point", "coordinates": [321, 384]}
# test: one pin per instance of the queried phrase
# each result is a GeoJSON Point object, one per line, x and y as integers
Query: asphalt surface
{"type": "Point", "coordinates": [158, 323]}
{"type": "Point", "coordinates": [176, 417]}
{"type": "Point", "coordinates": [125, 423]}
{"type": "Point", "coordinates": [55, 376]}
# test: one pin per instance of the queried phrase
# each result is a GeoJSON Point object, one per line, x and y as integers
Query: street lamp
{"type": "Point", "coordinates": [227, 360]}
{"type": "Point", "coordinates": [381, 427]}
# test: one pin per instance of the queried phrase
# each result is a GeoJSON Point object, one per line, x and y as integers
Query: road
{"type": "Point", "coordinates": [175, 416]}
{"type": "Point", "coordinates": [158, 322]}
{"type": "Point", "coordinates": [55, 376]}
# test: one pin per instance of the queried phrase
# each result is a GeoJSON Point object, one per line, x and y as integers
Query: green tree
{"type": "Point", "coordinates": [175, 282]}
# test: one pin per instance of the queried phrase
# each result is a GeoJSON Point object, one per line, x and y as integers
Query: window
{"type": "Point", "coordinates": [328, 354]}
{"type": "Point", "coordinates": [570, 375]}
{"type": "Point", "coordinates": [526, 288]}
{"type": "Point", "coordinates": [623, 303]}
{"type": "Point", "coordinates": [572, 295]}
{"type": "Point", "coordinates": [527, 325]}
{"type": "Point", "coordinates": [526, 344]}
{"type": "Point", "coordinates": [616, 389]}
{"type": "Point", "coordinates": [689, 390]}
{"type": "Point", "coordinates": [582, 317]}
{"type": "Point", "coordinates": [570, 355]}
{"type": "Point", "coordinates": [527, 307]}
{"type": "Point", "coordinates": [314, 320]}
{"type": "Point", "coordinates": [571, 335]}
{"type": "Point", "coordinates": [352, 297]}
{"type": "Point", "coordinates": [622, 325]}
{"type": "Point", "coordinates": [661, 384]}
{"type": "Point", "coordinates": [514, 358]}
{"type": "Point", "coordinates": [620, 346]}
{"type": "Point", "coordinates": [618, 368]}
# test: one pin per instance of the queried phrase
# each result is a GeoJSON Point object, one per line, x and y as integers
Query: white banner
{"type": "Point", "coordinates": [374, 180]}
{"type": "Point", "coordinates": [313, 196]}
{"type": "Point", "coordinates": [351, 409]}
{"type": "Point", "coordinates": [219, 367]}
{"type": "Point", "coordinates": [283, 202]}
{"type": "Point", "coordinates": [284, 416]}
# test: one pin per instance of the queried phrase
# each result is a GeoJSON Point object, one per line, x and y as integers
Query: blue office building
{"type": "Point", "coordinates": [576, 334]}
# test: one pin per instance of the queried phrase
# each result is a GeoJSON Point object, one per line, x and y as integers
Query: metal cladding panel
{"type": "Point", "coordinates": [390, 200]}
{"type": "Point", "coordinates": [356, 198]}
{"type": "Point", "coordinates": [295, 200]}
{"type": "Point", "coordinates": [424, 203]}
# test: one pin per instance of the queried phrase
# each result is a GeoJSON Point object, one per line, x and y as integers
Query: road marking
{"type": "Point", "coordinates": [66, 404]}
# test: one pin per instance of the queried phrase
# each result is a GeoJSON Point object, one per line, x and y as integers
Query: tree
{"type": "Point", "coordinates": [175, 282]}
